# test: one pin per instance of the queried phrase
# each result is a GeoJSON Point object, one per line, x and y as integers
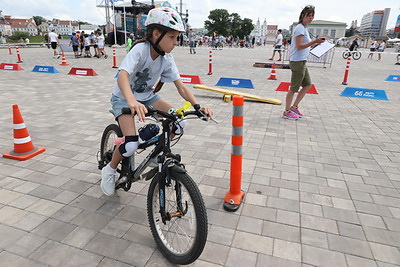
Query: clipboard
{"type": "Point", "coordinates": [321, 49]}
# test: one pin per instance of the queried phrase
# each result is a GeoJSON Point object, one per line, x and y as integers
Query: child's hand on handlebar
{"type": "Point", "coordinates": [138, 109]}
{"type": "Point", "coordinates": [207, 111]}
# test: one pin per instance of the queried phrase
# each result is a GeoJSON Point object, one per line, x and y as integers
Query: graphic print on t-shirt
{"type": "Point", "coordinates": [141, 82]}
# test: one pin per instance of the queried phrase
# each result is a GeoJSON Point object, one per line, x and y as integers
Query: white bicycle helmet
{"type": "Point", "coordinates": [166, 17]}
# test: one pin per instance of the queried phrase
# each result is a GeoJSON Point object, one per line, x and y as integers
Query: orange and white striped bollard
{"type": "Point", "coordinates": [234, 196]}
{"type": "Point", "coordinates": [210, 63]}
{"type": "Point", "coordinates": [114, 57]}
{"type": "Point", "coordinates": [9, 50]}
{"type": "Point", "coordinates": [18, 55]}
{"type": "Point", "coordinates": [346, 72]}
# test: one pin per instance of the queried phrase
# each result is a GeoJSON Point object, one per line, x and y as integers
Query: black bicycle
{"type": "Point", "coordinates": [355, 54]}
{"type": "Point", "coordinates": [175, 207]}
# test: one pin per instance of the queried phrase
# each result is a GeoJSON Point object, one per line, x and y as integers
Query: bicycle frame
{"type": "Point", "coordinates": [165, 161]}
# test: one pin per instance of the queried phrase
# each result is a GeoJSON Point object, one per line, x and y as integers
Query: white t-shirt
{"type": "Point", "coordinates": [381, 46]}
{"type": "Point", "coordinates": [53, 37]}
{"type": "Point", "coordinates": [373, 44]}
{"type": "Point", "coordinates": [299, 55]}
{"type": "Point", "coordinates": [100, 41]}
{"type": "Point", "coordinates": [279, 39]}
{"type": "Point", "coordinates": [144, 71]}
{"type": "Point", "coordinates": [87, 41]}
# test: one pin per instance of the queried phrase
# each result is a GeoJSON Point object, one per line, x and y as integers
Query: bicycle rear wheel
{"type": "Point", "coordinates": [346, 54]}
{"type": "Point", "coordinates": [182, 238]}
{"type": "Point", "coordinates": [107, 146]}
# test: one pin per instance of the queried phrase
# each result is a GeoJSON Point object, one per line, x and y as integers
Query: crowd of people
{"type": "Point", "coordinates": [81, 43]}
{"type": "Point", "coordinates": [216, 40]}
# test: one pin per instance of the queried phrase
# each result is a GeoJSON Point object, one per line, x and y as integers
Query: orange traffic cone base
{"type": "Point", "coordinates": [24, 156]}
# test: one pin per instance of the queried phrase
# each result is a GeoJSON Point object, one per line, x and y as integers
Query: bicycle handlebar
{"type": "Point", "coordinates": [173, 116]}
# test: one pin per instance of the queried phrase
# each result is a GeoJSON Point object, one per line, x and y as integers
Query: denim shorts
{"type": "Point", "coordinates": [118, 103]}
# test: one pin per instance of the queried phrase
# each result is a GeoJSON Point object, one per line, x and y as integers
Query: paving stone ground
{"type": "Point", "coordinates": [320, 191]}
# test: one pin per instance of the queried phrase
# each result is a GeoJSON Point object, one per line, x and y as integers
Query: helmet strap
{"type": "Point", "coordinates": [155, 45]}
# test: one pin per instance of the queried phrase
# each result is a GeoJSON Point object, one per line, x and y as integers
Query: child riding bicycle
{"type": "Point", "coordinates": [148, 60]}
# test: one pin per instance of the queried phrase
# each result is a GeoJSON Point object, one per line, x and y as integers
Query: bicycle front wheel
{"type": "Point", "coordinates": [356, 55]}
{"type": "Point", "coordinates": [182, 238]}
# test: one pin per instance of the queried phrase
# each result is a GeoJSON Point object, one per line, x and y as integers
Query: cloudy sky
{"type": "Point", "coordinates": [282, 13]}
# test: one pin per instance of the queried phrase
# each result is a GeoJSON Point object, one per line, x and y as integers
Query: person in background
{"type": "Point", "coordinates": [82, 42]}
{"type": "Point", "coordinates": [86, 40]}
{"type": "Point", "coordinates": [46, 39]}
{"type": "Point", "coordinates": [100, 43]}
{"type": "Point", "coordinates": [278, 45]}
{"type": "Point", "coordinates": [397, 50]}
{"type": "Point", "coordinates": [372, 48]}
{"type": "Point", "coordinates": [381, 49]}
{"type": "Point", "coordinates": [192, 42]}
{"type": "Point", "coordinates": [75, 44]}
{"type": "Point", "coordinates": [129, 43]}
{"type": "Point", "coordinates": [95, 41]}
{"type": "Point", "coordinates": [53, 40]}
{"type": "Point", "coordinates": [300, 49]}
{"type": "Point", "coordinates": [354, 45]}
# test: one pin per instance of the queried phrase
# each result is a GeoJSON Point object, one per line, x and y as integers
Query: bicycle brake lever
{"type": "Point", "coordinates": [214, 120]}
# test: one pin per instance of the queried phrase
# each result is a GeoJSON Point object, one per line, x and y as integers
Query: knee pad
{"type": "Point", "coordinates": [129, 146]}
{"type": "Point", "coordinates": [178, 126]}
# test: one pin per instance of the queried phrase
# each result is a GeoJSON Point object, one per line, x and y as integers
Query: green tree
{"type": "Point", "coordinates": [223, 23]}
{"type": "Point", "coordinates": [246, 27]}
{"type": "Point", "coordinates": [17, 35]}
{"type": "Point", "coordinates": [235, 24]}
{"type": "Point", "coordinates": [350, 32]}
{"type": "Point", "coordinates": [218, 22]}
{"type": "Point", "coordinates": [83, 23]}
{"type": "Point", "coordinates": [38, 20]}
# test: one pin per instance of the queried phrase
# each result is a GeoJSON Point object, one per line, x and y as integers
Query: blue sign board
{"type": "Point", "coordinates": [45, 69]}
{"type": "Point", "coordinates": [393, 78]}
{"type": "Point", "coordinates": [364, 93]}
{"type": "Point", "coordinates": [235, 82]}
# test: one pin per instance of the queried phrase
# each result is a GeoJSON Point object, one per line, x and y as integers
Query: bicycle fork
{"type": "Point", "coordinates": [164, 179]}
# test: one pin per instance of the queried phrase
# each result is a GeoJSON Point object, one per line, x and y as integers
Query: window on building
{"type": "Point", "coordinates": [318, 32]}
{"type": "Point", "coordinates": [325, 31]}
{"type": "Point", "coordinates": [333, 33]}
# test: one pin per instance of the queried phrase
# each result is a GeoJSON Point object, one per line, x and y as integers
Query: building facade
{"type": "Point", "coordinates": [22, 25]}
{"type": "Point", "coordinates": [63, 27]}
{"type": "Point", "coordinates": [374, 23]}
{"type": "Point", "coordinates": [5, 26]}
{"type": "Point", "coordinates": [322, 28]}
{"type": "Point", "coordinates": [264, 32]}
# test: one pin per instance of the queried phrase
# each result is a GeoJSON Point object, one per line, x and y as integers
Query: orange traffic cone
{"type": "Point", "coordinates": [23, 146]}
{"type": "Point", "coordinates": [273, 73]}
{"type": "Point", "coordinates": [63, 60]}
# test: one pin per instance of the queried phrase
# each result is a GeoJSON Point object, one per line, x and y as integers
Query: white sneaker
{"type": "Point", "coordinates": [107, 182]}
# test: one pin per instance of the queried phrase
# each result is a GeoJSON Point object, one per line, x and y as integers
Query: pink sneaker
{"type": "Point", "coordinates": [290, 115]}
{"type": "Point", "coordinates": [297, 111]}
